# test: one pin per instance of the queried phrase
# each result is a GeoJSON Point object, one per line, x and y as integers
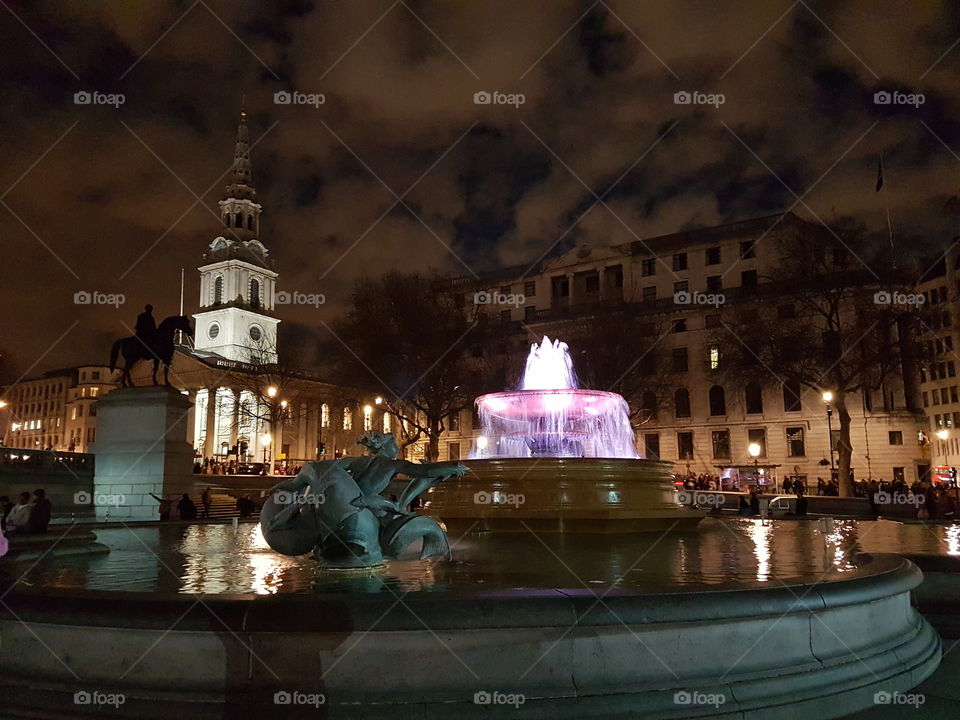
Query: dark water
{"type": "Point", "coordinates": [216, 559]}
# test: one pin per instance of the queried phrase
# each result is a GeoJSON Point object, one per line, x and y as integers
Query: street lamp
{"type": "Point", "coordinates": [272, 391]}
{"type": "Point", "coordinates": [943, 434]}
{"type": "Point", "coordinates": [378, 400]}
{"type": "Point", "coordinates": [265, 441]}
{"type": "Point", "coordinates": [754, 450]}
{"type": "Point", "coordinates": [828, 398]}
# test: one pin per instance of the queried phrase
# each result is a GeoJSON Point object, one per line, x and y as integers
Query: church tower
{"type": "Point", "coordinates": [237, 281]}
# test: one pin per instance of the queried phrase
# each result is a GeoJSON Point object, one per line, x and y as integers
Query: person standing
{"type": "Point", "coordinates": [186, 508]}
{"type": "Point", "coordinates": [205, 500]}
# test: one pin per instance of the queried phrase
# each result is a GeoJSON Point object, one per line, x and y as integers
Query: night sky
{"type": "Point", "coordinates": [118, 199]}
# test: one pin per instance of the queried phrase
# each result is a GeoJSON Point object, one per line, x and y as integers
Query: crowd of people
{"type": "Point", "coordinates": [29, 515]}
{"type": "Point", "coordinates": [214, 466]}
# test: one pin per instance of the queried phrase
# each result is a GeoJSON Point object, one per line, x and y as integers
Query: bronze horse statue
{"type": "Point", "coordinates": [159, 348]}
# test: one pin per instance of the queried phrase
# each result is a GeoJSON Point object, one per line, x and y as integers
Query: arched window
{"type": "Point", "coordinates": [249, 222]}
{"type": "Point", "coordinates": [650, 404]}
{"type": "Point", "coordinates": [681, 403]}
{"type": "Point", "coordinates": [791, 396]}
{"type": "Point", "coordinates": [347, 418]}
{"type": "Point", "coordinates": [254, 293]}
{"type": "Point", "coordinates": [754, 398]}
{"type": "Point", "coordinates": [718, 401]}
{"type": "Point", "coordinates": [218, 290]}
{"type": "Point", "coordinates": [238, 220]}
{"type": "Point", "coordinates": [325, 415]}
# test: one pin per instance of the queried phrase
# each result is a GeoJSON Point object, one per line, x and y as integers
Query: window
{"type": "Point", "coordinates": [592, 283]}
{"type": "Point", "coordinates": [254, 293]}
{"type": "Point", "coordinates": [748, 280]}
{"type": "Point", "coordinates": [651, 446]}
{"type": "Point", "coordinates": [718, 401]}
{"type": "Point", "coordinates": [325, 415]}
{"type": "Point", "coordinates": [935, 395]}
{"type": "Point", "coordinates": [713, 256]}
{"type": "Point", "coordinates": [96, 373]}
{"type": "Point", "coordinates": [713, 357]}
{"type": "Point", "coordinates": [795, 444]}
{"type": "Point", "coordinates": [387, 423]}
{"type": "Point", "coordinates": [79, 412]}
{"type": "Point", "coordinates": [679, 356]}
{"type": "Point", "coordinates": [679, 262]}
{"type": "Point", "coordinates": [650, 293]}
{"type": "Point", "coordinates": [758, 436]}
{"type": "Point", "coordinates": [681, 287]}
{"type": "Point", "coordinates": [648, 267]}
{"type": "Point", "coordinates": [754, 398]}
{"type": "Point", "coordinates": [530, 289]}
{"type": "Point", "coordinates": [748, 250]}
{"type": "Point", "coordinates": [685, 445]}
{"type": "Point", "coordinates": [368, 417]}
{"type": "Point", "coordinates": [679, 326]}
{"type": "Point", "coordinates": [791, 396]}
{"type": "Point", "coordinates": [681, 402]}
{"type": "Point", "coordinates": [714, 283]}
{"type": "Point", "coordinates": [895, 437]}
{"type": "Point", "coordinates": [951, 369]}
{"type": "Point", "coordinates": [218, 290]}
{"type": "Point", "coordinates": [504, 289]}
{"type": "Point", "coordinates": [530, 312]}
{"type": "Point", "coordinates": [453, 422]}
{"type": "Point", "coordinates": [953, 394]}
{"type": "Point", "coordinates": [712, 321]}
{"type": "Point", "coordinates": [786, 311]}
{"type": "Point", "coordinates": [560, 286]}
{"type": "Point", "coordinates": [898, 474]}
{"type": "Point", "coordinates": [347, 419]}
{"type": "Point", "coordinates": [249, 222]}
{"type": "Point", "coordinates": [453, 451]}
{"type": "Point", "coordinates": [721, 443]}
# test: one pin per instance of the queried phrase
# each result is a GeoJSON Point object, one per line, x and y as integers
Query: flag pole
{"type": "Point", "coordinates": [180, 332]}
{"type": "Point", "coordinates": [882, 187]}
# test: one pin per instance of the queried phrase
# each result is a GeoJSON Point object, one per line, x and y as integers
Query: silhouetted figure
{"type": "Point", "coordinates": [246, 506]}
{"type": "Point", "coordinates": [146, 327]}
{"type": "Point", "coordinates": [801, 504]}
{"type": "Point", "coordinates": [186, 509]}
{"type": "Point", "coordinates": [754, 503]}
{"type": "Point", "coordinates": [205, 500]}
{"type": "Point", "coordinates": [743, 507]}
{"type": "Point", "coordinates": [5, 507]}
{"type": "Point", "coordinates": [42, 509]}
{"type": "Point", "coordinates": [164, 506]}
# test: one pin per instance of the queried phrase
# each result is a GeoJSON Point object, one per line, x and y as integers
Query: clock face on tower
{"type": "Point", "coordinates": [255, 333]}
{"type": "Point", "coordinates": [213, 330]}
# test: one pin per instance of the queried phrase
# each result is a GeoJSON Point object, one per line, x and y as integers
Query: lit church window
{"type": "Point", "coordinates": [347, 419]}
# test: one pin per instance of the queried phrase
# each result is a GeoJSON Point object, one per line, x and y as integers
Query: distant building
{"type": "Point", "coordinates": [56, 410]}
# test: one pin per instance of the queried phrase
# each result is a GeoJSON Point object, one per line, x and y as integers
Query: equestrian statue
{"type": "Point", "coordinates": [149, 343]}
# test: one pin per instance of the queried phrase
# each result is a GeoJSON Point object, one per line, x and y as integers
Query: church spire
{"type": "Point", "coordinates": [241, 186]}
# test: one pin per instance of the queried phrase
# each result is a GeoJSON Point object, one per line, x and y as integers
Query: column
{"type": "Point", "coordinates": [211, 423]}
{"type": "Point", "coordinates": [235, 419]}
{"type": "Point", "coordinates": [302, 430]}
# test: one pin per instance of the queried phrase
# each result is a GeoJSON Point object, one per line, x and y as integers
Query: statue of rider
{"type": "Point", "coordinates": [146, 327]}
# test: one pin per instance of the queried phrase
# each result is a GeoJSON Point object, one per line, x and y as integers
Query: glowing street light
{"type": "Point", "coordinates": [378, 400]}
{"type": "Point", "coordinates": [943, 434]}
{"type": "Point", "coordinates": [828, 398]}
{"type": "Point", "coordinates": [754, 450]}
{"type": "Point", "coordinates": [272, 391]}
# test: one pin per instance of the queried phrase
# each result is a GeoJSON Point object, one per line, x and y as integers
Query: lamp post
{"type": "Point", "coordinates": [754, 450]}
{"type": "Point", "coordinates": [828, 398]}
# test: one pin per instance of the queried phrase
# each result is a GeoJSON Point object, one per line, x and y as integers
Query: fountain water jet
{"type": "Point", "coordinates": [549, 416]}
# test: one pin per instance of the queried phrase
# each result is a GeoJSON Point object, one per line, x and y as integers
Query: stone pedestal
{"type": "Point", "coordinates": [141, 448]}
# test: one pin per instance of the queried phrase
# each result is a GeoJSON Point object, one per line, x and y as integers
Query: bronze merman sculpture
{"type": "Point", "coordinates": [334, 508]}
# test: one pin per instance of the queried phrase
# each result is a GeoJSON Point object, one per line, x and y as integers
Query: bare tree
{"type": "Point", "coordinates": [834, 316]}
{"type": "Point", "coordinates": [406, 334]}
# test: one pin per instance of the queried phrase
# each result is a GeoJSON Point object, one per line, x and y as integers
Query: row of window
{"type": "Point", "coordinates": [712, 256]}
{"type": "Point", "coordinates": [717, 397]}
{"type": "Point", "coordinates": [720, 445]}
{"type": "Point", "coordinates": [237, 220]}
{"type": "Point", "coordinates": [942, 396]}
{"type": "Point", "coordinates": [254, 294]}
{"type": "Point", "coordinates": [938, 371]}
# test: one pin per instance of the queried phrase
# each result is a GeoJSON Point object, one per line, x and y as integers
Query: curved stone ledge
{"type": "Point", "coordinates": [780, 652]}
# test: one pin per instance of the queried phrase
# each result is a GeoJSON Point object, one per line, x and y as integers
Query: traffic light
{"type": "Point", "coordinates": [323, 448]}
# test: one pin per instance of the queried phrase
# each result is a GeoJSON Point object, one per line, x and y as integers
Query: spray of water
{"type": "Point", "coordinates": [549, 416]}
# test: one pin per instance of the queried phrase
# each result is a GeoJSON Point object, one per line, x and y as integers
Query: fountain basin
{"type": "Point", "coordinates": [577, 495]}
{"type": "Point", "coordinates": [791, 649]}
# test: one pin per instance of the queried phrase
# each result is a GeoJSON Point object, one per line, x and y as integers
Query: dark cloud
{"type": "Point", "coordinates": [114, 200]}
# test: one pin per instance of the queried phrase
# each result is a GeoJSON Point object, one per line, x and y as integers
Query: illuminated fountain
{"type": "Point", "coordinates": [550, 417]}
{"type": "Point", "coordinates": [554, 457]}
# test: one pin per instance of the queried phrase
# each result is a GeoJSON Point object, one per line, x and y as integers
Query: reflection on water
{"type": "Point", "coordinates": [217, 559]}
